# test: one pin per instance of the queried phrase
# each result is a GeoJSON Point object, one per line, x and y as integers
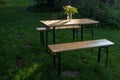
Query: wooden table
{"type": "Point", "coordinates": [74, 22]}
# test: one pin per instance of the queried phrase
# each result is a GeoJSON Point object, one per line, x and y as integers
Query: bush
{"type": "Point", "coordinates": [108, 15]}
{"type": "Point", "coordinates": [3, 1]}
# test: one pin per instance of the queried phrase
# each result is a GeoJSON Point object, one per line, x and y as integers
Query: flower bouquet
{"type": "Point", "coordinates": [70, 10]}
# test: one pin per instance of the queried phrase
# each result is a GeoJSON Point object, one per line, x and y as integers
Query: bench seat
{"type": "Point", "coordinates": [63, 27]}
{"type": "Point", "coordinates": [55, 48]}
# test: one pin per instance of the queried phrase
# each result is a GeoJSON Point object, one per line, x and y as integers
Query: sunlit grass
{"type": "Point", "coordinates": [25, 73]}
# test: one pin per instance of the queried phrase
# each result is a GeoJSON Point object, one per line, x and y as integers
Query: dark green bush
{"type": "Point", "coordinates": [3, 1]}
{"type": "Point", "coordinates": [107, 14]}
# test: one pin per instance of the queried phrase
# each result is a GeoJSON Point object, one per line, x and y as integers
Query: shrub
{"type": "Point", "coordinates": [4, 1]}
{"type": "Point", "coordinates": [108, 15]}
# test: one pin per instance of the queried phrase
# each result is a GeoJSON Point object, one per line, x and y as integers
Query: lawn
{"type": "Point", "coordinates": [23, 58]}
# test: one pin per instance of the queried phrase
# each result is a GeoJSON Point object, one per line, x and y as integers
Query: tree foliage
{"type": "Point", "coordinates": [3, 1]}
{"type": "Point", "coordinates": [106, 11]}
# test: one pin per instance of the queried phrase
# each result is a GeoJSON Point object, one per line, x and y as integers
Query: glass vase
{"type": "Point", "coordinates": [69, 17]}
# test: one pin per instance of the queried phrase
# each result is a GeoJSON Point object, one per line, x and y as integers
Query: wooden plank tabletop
{"type": "Point", "coordinates": [79, 45]}
{"type": "Point", "coordinates": [73, 22]}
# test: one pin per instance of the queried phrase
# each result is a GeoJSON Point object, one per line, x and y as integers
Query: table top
{"type": "Point", "coordinates": [73, 22]}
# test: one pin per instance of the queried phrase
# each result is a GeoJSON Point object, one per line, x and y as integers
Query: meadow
{"type": "Point", "coordinates": [23, 58]}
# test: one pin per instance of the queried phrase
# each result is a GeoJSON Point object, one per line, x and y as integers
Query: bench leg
{"type": "Point", "coordinates": [106, 62]}
{"type": "Point", "coordinates": [42, 38]}
{"type": "Point", "coordinates": [99, 53]}
{"type": "Point", "coordinates": [54, 61]}
{"type": "Point", "coordinates": [59, 64]}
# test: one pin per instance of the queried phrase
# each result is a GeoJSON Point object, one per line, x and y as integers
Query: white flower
{"type": "Point", "coordinates": [69, 6]}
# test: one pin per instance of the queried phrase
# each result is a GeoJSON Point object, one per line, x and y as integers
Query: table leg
{"type": "Point", "coordinates": [81, 33]}
{"type": "Point", "coordinates": [77, 31]}
{"type": "Point", "coordinates": [73, 34]}
{"type": "Point", "coordinates": [59, 64]}
{"type": "Point", "coordinates": [54, 36]}
{"type": "Point", "coordinates": [46, 49]}
{"type": "Point", "coordinates": [54, 61]}
{"type": "Point", "coordinates": [42, 38]}
{"type": "Point", "coordinates": [99, 53]}
{"type": "Point", "coordinates": [92, 31]}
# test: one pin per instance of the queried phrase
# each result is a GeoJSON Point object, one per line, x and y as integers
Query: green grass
{"type": "Point", "coordinates": [18, 38]}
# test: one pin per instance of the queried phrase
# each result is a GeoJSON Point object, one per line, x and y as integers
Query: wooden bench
{"type": "Point", "coordinates": [58, 48]}
{"type": "Point", "coordinates": [43, 29]}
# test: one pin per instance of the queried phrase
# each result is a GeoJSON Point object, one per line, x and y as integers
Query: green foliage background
{"type": "Point", "coordinates": [20, 40]}
{"type": "Point", "coordinates": [107, 14]}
